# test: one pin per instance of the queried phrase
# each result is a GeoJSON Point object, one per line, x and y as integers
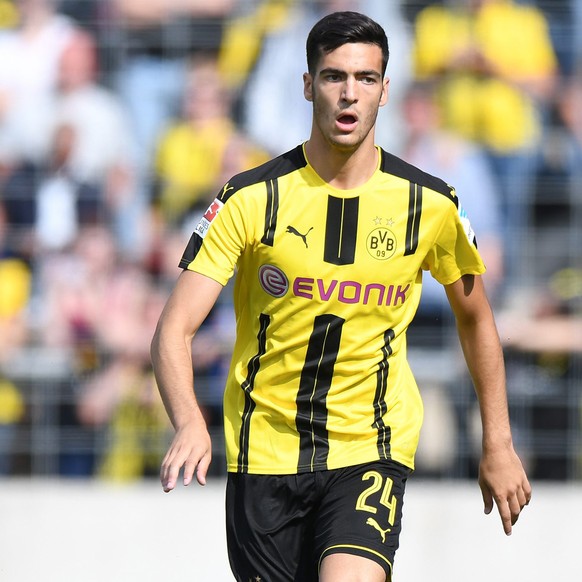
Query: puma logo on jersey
{"type": "Point", "coordinates": [226, 189]}
{"type": "Point", "coordinates": [303, 237]}
{"type": "Point", "coordinates": [371, 521]}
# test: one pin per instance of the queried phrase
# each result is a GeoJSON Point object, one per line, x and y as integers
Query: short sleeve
{"type": "Point", "coordinates": [217, 241]}
{"type": "Point", "coordinates": [454, 252]}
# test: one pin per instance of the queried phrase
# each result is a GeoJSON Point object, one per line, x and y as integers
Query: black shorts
{"type": "Point", "coordinates": [280, 527]}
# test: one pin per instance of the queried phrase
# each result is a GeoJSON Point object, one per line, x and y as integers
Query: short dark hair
{"type": "Point", "coordinates": [339, 28]}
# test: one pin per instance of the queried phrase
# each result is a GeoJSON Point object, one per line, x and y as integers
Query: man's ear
{"type": "Point", "coordinates": [384, 96]}
{"type": "Point", "coordinates": [308, 86]}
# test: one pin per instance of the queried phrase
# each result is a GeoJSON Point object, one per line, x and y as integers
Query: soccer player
{"type": "Point", "coordinates": [322, 413]}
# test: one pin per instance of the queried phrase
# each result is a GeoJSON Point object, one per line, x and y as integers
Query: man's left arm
{"type": "Point", "coordinates": [501, 475]}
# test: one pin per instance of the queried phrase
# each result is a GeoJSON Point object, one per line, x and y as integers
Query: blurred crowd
{"type": "Point", "coordinates": [121, 119]}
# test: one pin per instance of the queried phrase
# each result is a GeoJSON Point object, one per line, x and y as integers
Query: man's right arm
{"type": "Point", "coordinates": [186, 309]}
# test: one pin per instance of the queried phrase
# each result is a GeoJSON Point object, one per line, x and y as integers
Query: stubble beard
{"type": "Point", "coordinates": [320, 114]}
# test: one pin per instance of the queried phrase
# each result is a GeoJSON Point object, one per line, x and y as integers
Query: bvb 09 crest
{"type": "Point", "coordinates": [381, 243]}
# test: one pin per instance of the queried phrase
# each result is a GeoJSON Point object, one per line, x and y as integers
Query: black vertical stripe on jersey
{"type": "Point", "coordinates": [271, 211]}
{"type": "Point", "coordinates": [413, 223]}
{"type": "Point", "coordinates": [380, 408]}
{"type": "Point", "coordinates": [247, 386]}
{"type": "Point", "coordinates": [341, 229]}
{"type": "Point", "coordinates": [314, 385]}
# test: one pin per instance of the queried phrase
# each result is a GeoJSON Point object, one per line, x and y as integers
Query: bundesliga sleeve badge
{"type": "Point", "coordinates": [466, 224]}
{"type": "Point", "coordinates": [210, 214]}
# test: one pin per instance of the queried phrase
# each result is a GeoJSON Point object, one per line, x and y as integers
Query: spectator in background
{"type": "Point", "coordinates": [243, 38]}
{"type": "Point", "coordinates": [274, 112]}
{"type": "Point", "coordinates": [200, 151]}
{"type": "Point", "coordinates": [101, 311]}
{"type": "Point", "coordinates": [496, 67]}
{"type": "Point", "coordinates": [15, 290]}
{"type": "Point", "coordinates": [158, 38]}
{"type": "Point", "coordinates": [92, 154]}
{"type": "Point", "coordinates": [15, 286]}
{"type": "Point", "coordinates": [71, 284]}
{"type": "Point", "coordinates": [8, 14]}
{"type": "Point", "coordinates": [92, 303]}
{"type": "Point", "coordinates": [542, 328]}
{"type": "Point", "coordinates": [133, 424]}
{"type": "Point", "coordinates": [29, 57]}
{"type": "Point", "coordinates": [12, 410]}
{"type": "Point", "coordinates": [556, 308]}
{"type": "Point", "coordinates": [463, 163]}
{"type": "Point", "coordinates": [118, 399]}
{"type": "Point", "coordinates": [542, 337]}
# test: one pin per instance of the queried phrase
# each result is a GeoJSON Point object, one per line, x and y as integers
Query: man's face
{"type": "Point", "coordinates": [346, 90]}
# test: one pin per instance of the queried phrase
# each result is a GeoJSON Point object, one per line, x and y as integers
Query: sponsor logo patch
{"type": "Point", "coordinates": [273, 281]}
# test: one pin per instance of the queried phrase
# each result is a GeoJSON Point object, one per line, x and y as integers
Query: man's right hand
{"type": "Point", "coordinates": [191, 448]}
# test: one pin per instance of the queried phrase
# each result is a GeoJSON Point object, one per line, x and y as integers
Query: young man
{"type": "Point", "coordinates": [322, 414]}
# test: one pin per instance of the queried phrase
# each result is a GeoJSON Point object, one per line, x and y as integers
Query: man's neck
{"type": "Point", "coordinates": [342, 169]}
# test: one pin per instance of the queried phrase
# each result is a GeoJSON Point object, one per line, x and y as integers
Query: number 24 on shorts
{"type": "Point", "coordinates": [386, 499]}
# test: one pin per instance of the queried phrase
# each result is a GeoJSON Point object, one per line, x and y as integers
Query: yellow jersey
{"type": "Point", "coordinates": [327, 282]}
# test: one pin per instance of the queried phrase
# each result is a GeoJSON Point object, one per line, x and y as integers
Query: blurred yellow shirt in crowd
{"type": "Point", "coordinates": [193, 162]}
{"type": "Point", "coordinates": [490, 108]}
{"type": "Point", "coordinates": [11, 403]}
{"type": "Point", "coordinates": [14, 287]}
{"type": "Point", "coordinates": [9, 16]}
